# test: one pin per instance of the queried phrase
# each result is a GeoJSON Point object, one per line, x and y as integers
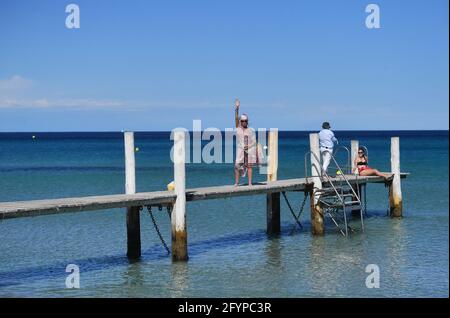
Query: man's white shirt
{"type": "Point", "coordinates": [326, 138]}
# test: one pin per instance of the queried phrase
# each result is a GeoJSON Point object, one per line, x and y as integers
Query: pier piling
{"type": "Point", "coordinates": [273, 199]}
{"type": "Point", "coordinates": [354, 152]}
{"type": "Point", "coordinates": [317, 224]}
{"type": "Point", "coordinates": [133, 214]}
{"type": "Point", "coordinates": [272, 164]}
{"type": "Point", "coordinates": [356, 188]}
{"type": "Point", "coordinates": [273, 213]}
{"type": "Point", "coordinates": [178, 218]}
{"type": "Point", "coordinates": [395, 191]}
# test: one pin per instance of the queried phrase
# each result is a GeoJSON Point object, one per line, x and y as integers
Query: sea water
{"type": "Point", "coordinates": [230, 254]}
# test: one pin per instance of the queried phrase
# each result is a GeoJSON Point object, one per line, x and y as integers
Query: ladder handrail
{"type": "Point", "coordinates": [306, 165]}
{"type": "Point", "coordinates": [343, 176]}
{"type": "Point", "coordinates": [340, 196]}
{"type": "Point", "coordinates": [326, 175]}
{"type": "Point", "coordinates": [349, 159]}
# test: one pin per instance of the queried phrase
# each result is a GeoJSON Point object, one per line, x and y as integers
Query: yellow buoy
{"type": "Point", "coordinates": [171, 186]}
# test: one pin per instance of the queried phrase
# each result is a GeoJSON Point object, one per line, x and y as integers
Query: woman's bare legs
{"type": "Point", "coordinates": [236, 177]}
{"type": "Point", "coordinates": [372, 172]}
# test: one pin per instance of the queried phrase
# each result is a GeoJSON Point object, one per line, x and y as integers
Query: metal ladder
{"type": "Point", "coordinates": [337, 196]}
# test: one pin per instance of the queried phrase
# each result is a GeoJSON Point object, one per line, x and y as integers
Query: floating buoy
{"type": "Point", "coordinates": [136, 149]}
{"type": "Point", "coordinates": [33, 137]}
{"type": "Point", "coordinates": [171, 186]}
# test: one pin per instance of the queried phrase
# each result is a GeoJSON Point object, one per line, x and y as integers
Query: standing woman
{"type": "Point", "coordinates": [361, 163]}
{"type": "Point", "coordinates": [245, 147]}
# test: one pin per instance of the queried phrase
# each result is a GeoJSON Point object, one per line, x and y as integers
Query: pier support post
{"type": "Point", "coordinates": [273, 213]}
{"type": "Point", "coordinates": [179, 233]}
{"type": "Point", "coordinates": [354, 152]}
{"type": "Point", "coordinates": [317, 222]}
{"type": "Point", "coordinates": [272, 165]}
{"type": "Point", "coordinates": [354, 155]}
{"type": "Point", "coordinates": [133, 215]}
{"type": "Point", "coordinates": [273, 199]}
{"type": "Point", "coordinates": [395, 191]}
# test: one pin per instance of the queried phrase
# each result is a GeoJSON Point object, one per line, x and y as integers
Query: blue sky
{"type": "Point", "coordinates": [156, 65]}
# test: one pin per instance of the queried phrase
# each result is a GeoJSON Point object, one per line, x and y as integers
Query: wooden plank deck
{"type": "Point", "coordinates": [66, 205]}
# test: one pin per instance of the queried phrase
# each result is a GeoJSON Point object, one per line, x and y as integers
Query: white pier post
{"type": "Point", "coordinates": [179, 233]}
{"type": "Point", "coordinates": [354, 155]}
{"type": "Point", "coordinates": [395, 190]}
{"type": "Point", "coordinates": [317, 225]}
{"type": "Point", "coordinates": [133, 221]}
{"type": "Point", "coordinates": [354, 152]}
{"type": "Point", "coordinates": [272, 165]}
{"type": "Point", "coordinates": [273, 199]}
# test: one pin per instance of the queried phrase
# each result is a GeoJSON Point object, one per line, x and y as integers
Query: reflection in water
{"type": "Point", "coordinates": [133, 276]}
{"type": "Point", "coordinates": [272, 251]}
{"type": "Point", "coordinates": [317, 278]}
{"type": "Point", "coordinates": [273, 268]}
{"type": "Point", "coordinates": [397, 245]}
{"type": "Point", "coordinates": [336, 265]}
{"type": "Point", "coordinates": [180, 279]}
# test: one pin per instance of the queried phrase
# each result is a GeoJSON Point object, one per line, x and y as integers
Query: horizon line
{"type": "Point", "coordinates": [168, 131]}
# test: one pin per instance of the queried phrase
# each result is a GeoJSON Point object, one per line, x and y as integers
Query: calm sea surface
{"type": "Point", "coordinates": [230, 254]}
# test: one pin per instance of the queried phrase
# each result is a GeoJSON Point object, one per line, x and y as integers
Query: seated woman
{"type": "Point", "coordinates": [361, 163]}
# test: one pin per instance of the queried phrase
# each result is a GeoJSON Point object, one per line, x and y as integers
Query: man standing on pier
{"type": "Point", "coordinates": [245, 146]}
{"type": "Point", "coordinates": [326, 142]}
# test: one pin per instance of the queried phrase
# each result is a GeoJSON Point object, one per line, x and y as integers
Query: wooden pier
{"type": "Point", "coordinates": [16, 209]}
{"type": "Point", "coordinates": [176, 200]}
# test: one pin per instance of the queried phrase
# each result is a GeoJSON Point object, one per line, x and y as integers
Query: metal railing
{"type": "Point", "coordinates": [320, 175]}
{"type": "Point", "coordinates": [342, 175]}
{"type": "Point", "coordinates": [349, 157]}
{"type": "Point", "coordinates": [340, 196]}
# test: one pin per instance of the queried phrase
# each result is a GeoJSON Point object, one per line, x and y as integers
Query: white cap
{"type": "Point", "coordinates": [244, 117]}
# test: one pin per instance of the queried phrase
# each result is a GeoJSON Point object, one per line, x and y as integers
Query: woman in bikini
{"type": "Point", "coordinates": [361, 163]}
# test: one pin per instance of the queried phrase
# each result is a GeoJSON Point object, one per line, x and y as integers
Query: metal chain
{"type": "Point", "coordinates": [290, 209]}
{"type": "Point", "coordinates": [300, 212]}
{"type": "Point", "coordinates": [303, 204]}
{"type": "Point", "coordinates": [149, 209]}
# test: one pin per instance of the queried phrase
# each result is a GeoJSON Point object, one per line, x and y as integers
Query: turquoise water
{"type": "Point", "coordinates": [230, 254]}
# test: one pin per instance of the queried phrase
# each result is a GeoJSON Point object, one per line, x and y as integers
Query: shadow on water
{"type": "Point", "coordinates": [153, 253]}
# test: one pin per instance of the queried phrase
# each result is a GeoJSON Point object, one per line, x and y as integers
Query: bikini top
{"type": "Point", "coordinates": [362, 163]}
